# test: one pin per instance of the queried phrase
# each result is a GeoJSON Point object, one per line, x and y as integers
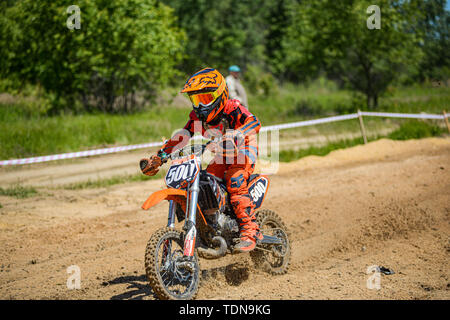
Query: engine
{"type": "Point", "coordinates": [226, 225]}
{"type": "Point", "coordinates": [212, 195]}
{"type": "Point", "coordinates": [213, 202]}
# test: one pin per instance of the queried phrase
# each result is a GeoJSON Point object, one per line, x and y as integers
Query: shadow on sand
{"type": "Point", "coordinates": [138, 287]}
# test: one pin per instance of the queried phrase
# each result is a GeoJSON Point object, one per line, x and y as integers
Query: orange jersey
{"type": "Point", "coordinates": [237, 117]}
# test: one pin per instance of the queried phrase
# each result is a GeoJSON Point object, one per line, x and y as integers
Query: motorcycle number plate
{"type": "Point", "coordinates": [257, 190]}
{"type": "Point", "coordinates": [181, 173]}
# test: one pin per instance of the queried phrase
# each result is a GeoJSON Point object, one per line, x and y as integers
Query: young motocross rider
{"type": "Point", "coordinates": [212, 109]}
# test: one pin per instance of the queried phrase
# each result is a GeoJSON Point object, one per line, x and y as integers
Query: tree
{"type": "Point", "coordinates": [123, 47]}
{"type": "Point", "coordinates": [435, 24]}
{"type": "Point", "coordinates": [279, 19]}
{"type": "Point", "coordinates": [223, 33]}
{"type": "Point", "coordinates": [333, 36]}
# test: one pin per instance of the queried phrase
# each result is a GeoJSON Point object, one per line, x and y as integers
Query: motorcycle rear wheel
{"type": "Point", "coordinates": [163, 258]}
{"type": "Point", "coordinates": [274, 259]}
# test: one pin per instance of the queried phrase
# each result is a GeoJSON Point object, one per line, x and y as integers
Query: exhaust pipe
{"type": "Point", "coordinates": [210, 253]}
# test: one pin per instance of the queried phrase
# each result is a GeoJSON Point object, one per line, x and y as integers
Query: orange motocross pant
{"type": "Point", "coordinates": [236, 175]}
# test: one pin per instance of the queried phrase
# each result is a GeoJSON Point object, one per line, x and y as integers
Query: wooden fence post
{"type": "Point", "coordinates": [446, 120]}
{"type": "Point", "coordinates": [361, 126]}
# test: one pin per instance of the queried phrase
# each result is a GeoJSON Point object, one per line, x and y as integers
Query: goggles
{"type": "Point", "coordinates": [206, 98]}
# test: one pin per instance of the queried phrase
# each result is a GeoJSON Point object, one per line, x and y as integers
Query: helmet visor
{"type": "Point", "coordinates": [202, 98]}
{"type": "Point", "coordinates": [206, 98]}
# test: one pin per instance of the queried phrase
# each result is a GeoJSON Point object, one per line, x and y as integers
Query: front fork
{"type": "Point", "coordinates": [189, 225]}
{"type": "Point", "coordinates": [170, 224]}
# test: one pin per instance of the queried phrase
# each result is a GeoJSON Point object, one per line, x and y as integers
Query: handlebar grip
{"type": "Point", "coordinates": [164, 156]}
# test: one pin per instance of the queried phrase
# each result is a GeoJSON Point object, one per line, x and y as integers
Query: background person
{"type": "Point", "coordinates": [235, 87]}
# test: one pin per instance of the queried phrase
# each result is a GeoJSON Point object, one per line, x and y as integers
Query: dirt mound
{"type": "Point", "coordinates": [379, 150]}
{"type": "Point", "coordinates": [386, 203]}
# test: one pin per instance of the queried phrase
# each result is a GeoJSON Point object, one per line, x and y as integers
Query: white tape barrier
{"type": "Point", "coordinates": [80, 154]}
{"type": "Point", "coordinates": [405, 115]}
{"type": "Point", "coordinates": [309, 122]}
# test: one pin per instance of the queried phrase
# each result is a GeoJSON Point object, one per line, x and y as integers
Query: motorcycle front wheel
{"type": "Point", "coordinates": [171, 275]}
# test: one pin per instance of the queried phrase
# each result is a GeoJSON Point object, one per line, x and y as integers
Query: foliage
{"type": "Point", "coordinates": [127, 50]}
{"type": "Point", "coordinates": [123, 47]}
{"type": "Point", "coordinates": [435, 24]}
{"type": "Point", "coordinates": [333, 36]}
{"type": "Point", "coordinates": [259, 81]}
{"type": "Point", "coordinates": [223, 33]}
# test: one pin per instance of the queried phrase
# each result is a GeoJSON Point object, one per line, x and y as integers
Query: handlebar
{"type": "Point", "coordinates": [180, 153]}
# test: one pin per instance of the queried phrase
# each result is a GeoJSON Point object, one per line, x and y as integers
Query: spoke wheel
{"type": "Point", "coordinates": [166, 268]}
{"type": "Point", "coordinates": [274, 259]}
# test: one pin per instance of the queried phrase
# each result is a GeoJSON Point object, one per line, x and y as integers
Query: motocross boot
{"type": "Point", "coordinates": [249, 233]}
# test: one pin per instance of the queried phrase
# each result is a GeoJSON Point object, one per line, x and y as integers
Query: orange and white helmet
{"type": "Point", "coordinates": [208, 92]}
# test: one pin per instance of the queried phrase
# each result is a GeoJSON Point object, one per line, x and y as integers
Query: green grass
{"type": "Point", "coordinates": [118, 179]}
{"type": "Point", "coordinates": [416, 99]}
{"type": "Point", "coordinates": [296, 102]}
{"type": "Point", "coordinates": [414, 129]}
{"type": "Point", "coordinates": [18, 191]}
{"type": "Point", "coordinates": [22, 137]}
{"type": "Point", "coordinates": [27, 133]}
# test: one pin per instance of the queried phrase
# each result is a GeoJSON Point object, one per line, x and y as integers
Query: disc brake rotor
{"type": "Point", "coordinates": [176, 268]}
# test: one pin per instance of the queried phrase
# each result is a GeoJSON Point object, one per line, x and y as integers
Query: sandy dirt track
{"type": "Point", "coordinates": [386, 203]}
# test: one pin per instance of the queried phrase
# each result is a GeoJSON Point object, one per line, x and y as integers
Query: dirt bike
{"type": "Point", "coordinates": [210, 229]}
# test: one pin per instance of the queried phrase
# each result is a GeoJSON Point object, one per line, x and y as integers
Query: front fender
{"type": "Point", "coordinates": [166, 194]}
{"type": "Point", "coordinates": [176, 195]}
